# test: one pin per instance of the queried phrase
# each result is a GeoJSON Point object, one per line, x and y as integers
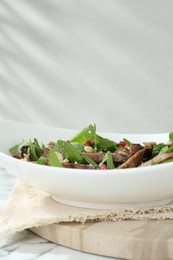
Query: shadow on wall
{"type": "Point", "coordinates": [71, 63]}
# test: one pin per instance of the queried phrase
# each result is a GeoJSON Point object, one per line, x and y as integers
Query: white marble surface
{"type": "Point", "coordinates": [26, 245]}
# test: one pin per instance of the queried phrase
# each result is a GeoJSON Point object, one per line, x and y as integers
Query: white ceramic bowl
{"type": "Point", "coordinates": [104, 189]}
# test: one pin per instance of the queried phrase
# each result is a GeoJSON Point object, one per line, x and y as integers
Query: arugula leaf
{"type": "Point", "coordinates": [104, 144]}
{"type": "Point", "coordinates": [166, 149]}
{"type": "Point", "coordinates": [42, 160]}
{"type": "Point", "coordinates": [53, 159]}
{"type": "Point", "coordinates": [83, 135]}
{"type": "Point", "coordinates": [101, 143]}
{"type": "Point", "coordinates": [108, 159]}
{"type": "Point", "coordinates": [169, 160]}
{"type": "Point", "coordinates": [59, 146]}
{"type": "Point", "coordinates": [72, 154]}
{"type": "Point", "coordinates": [171, 137]}
{"type": "Point", "coordinates": [89, 160]}
{"type": "Point", "coordinates": [78, 146]}
{"type": "Point", "coordinates": [92, 129]}
{"type": "Point", "coordinates": [163, 147]}
{"type": "Point", "coordinates": [166, 161]}
{"type": "Point", "coordinates": [163, 150]}
{"type": "Point", "coordinates": [15, 149]}
{"type": "Point", "coordinates": [127, 142]}
{"type": "Point", "coordinates": [35, 142]}
{"type": "Point", "coordinates": [38, 149]}
{"type": "Point", "coordinates": [43, 146]}
{"type": "Point", "coordinates": [70, 151]}
{"type": "Point", "coordinates": [110, 162]}
{"type": "Point", "coordinates": [34, 149]}
{"type": "Point", "coordinates": [154, 163]}
{"type": "Point", "coordinates": [32, 152]}
{"type": "Point", "coordinates": [157, 148]}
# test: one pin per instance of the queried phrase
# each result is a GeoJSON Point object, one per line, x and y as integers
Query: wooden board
{"type": "Point", "coordinates": [139, 240]}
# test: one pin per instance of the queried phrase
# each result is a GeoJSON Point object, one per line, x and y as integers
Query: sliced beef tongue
{"type": "Point", "coordinates": [158, 159]}
{"type": "Point", "coordinates": [122, 151]}
{"type": "Point", "coordinates": [121, 155]}
{"type": "Point", "coordinates": [148, 150]}
{"type": "Point", "coordinates": [117, 157]}
{"type": "Point", "coordinates": [134, 161]}
{"type": "Point", "coordinates": [134, 148]}
{"type": "Point", "coordinates": [96, 157]}
{"type": "Point", "coordinates": [121, 158]}
{"type": "Point", "coordinates": [78, 166]}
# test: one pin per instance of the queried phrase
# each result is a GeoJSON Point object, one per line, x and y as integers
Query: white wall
{"type": "Point", "coordinates": [68, 63]}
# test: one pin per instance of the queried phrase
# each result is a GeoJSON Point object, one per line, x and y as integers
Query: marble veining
{"type": "Point", "coordinates": [28, 246]}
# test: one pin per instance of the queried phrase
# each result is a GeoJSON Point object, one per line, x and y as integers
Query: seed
{"type": "Point", "coordinates": [123, 143]}
{"type": "Point", "coordinates": [104, 167]}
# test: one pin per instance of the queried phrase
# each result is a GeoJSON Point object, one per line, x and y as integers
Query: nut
{"type": "Point", "coordinates": [88, 149]}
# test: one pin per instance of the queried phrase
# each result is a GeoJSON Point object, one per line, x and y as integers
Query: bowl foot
{"type": "Point", "coordinates": [106, 206]}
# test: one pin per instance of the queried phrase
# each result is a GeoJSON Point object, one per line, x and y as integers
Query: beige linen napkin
{"type": "Point", "coordinates": [29, 207]}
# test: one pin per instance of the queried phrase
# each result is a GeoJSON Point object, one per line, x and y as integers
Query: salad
{"type": "Point", "coordinates": [88, 150]}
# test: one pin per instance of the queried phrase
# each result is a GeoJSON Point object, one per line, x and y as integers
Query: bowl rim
{"type": "Point", "coordinates": [116, 172]}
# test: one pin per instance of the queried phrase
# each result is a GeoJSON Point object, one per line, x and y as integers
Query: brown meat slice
{"type": "Point", "coordinates": [122, 151]}
{"type": "Point", "coordinates": [134, 148]}
{"type": "Point", "coordinates": [133, 161]}
{"type": "Point", "coordinates": [96, 157]}
{"type": "Point", "coordinates": [118, 158]}
{"type": "Point", "coordinates": [121, 158]}
{"type": "Point", "coordinates": [158, 159]}
{"type": "Point", "coordinates": [89, 142]}
{"type": "Point", "coordinates": [148, 150]}
{"type": "Point", "coordinates": [78, 166]}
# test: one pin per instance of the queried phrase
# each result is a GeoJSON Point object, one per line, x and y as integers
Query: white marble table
{"type": "Point", "coordinates": [26, 245]}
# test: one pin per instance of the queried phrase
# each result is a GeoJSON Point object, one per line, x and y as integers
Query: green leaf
{"type": "Point", "coordinates": [110, 162]}
{"type": "Point", "coordinates": [42, 160]}
{"type": "Point", "coordinates": [38, 151]}
{"type": "Point", "coordinates": [70, 150]}
{"type": "Point", "coordinates": [72, 154]}
{"type": "Point", "coordinates": [83, 135]}
{"type": "Point", "coordinates": [53, 159]}
{"type": "Point", "coordinates": [104, 144]}
{"type": "Point", "coordinates": [92, 129]}
{"type": "Point", "coordinates": [101, 143]}
{"type": "Point", "coordinates": [127, 142]}
{"type": "Point", "coordinates": [154, 163]}
{"type": "Point", "coordinates": [166, 161]}
{"type": "Point", "coordinates": [157, 148]}
{"type": "Point", "coordinates": [89, 160]}
{"type": "Point", "coordinates": [169, 160]}
{"type": "Point", "coordinates": [35, 142]}
{"type": "Point", "coordinates": [32, 152]}
{"type": "Point", "coordinates": [43, 147]}
{"type": "Point", "coordinates": [15, 149]}
{"type": "Point", "coordinates": [167, 149]}
{"type": "Point", "coordinates": [171, 137]}
{"type": "Point", "coordinates": [59, 146]}
{"type": "Point", "coordinates": [78, 146]}
{"type": "Point", "coordinates": [164, 149]}
{"type": "Point", "coordinates": [108, 159]}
